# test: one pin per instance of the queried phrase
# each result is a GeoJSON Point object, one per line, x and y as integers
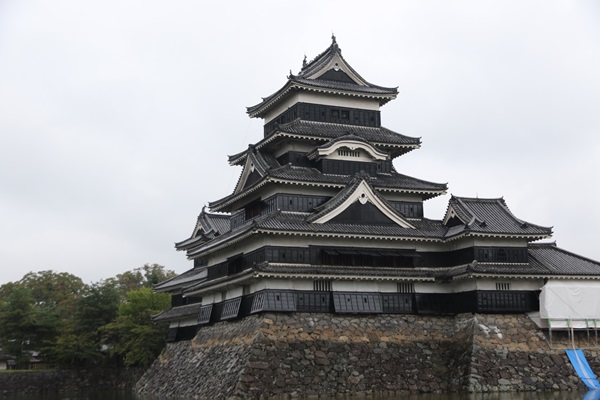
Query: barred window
{"type": "Point", "coordinates": [348, 153]}
{"type": "Point", "coordinates": [406, 287]}
{"type": "Point", "coordinates": [502, 285]}
{"type": "Point", "coordinates": [322, 286]}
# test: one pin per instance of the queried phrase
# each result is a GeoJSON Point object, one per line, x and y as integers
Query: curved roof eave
{"type": "Point", "coordinates": [259, 110]}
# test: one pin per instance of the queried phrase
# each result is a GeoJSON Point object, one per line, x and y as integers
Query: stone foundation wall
{"type": "Point", "coordinates": [301, 355]}
{"type": "Point", "coordinates": [67, 380]}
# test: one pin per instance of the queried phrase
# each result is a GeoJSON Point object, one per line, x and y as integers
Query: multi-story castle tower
{"type": "Point", "coordinates": [321, 221]}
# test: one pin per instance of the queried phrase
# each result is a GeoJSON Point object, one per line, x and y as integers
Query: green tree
{"type": "Point", "coordinates": [53, 289]}
{"type": "Point", "coordinates": [145, 276]}
{"type": "Point", "coordinates": [18, 324]}
{"type": "Point", "coordinates": [55, 295]}
{"type": "Point", "coordinates": [80, 341]}
{"type": "Point", "coordinates": [133, 336]}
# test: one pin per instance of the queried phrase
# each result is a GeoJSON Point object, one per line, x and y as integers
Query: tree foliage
{"type": "Point", "coordinates": [133, 336]}
{"type": "Point", "coordinates": [72, 324]}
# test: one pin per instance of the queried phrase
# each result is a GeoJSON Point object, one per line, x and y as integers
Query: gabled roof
{"type": "Point", "coordinates": [359, 190]}
{"type": "Point", "coordinates": [291, 174]}
{"type": "Point", "coordinates": [379, 137]}
{"type": "Point", "coordinates": [255, 162]}
{"type": "Point", "coordinates": [488, 217]}
{"type": "Point", "coordinates": [327, 73]}
{"type": "Point", "coordinates": [208, 226]}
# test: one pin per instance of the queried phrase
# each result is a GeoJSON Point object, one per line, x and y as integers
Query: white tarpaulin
{"type": "Point", "coordinates": [566, 304]}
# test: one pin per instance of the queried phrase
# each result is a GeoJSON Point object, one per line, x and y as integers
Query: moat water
{"type": "Point", "coordinates": [127, 395]}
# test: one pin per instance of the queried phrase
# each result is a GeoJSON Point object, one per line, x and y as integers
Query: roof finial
{"type": "Point", "coordinates": [304, 62]}
{"type": "Point", "coordinates": [334, 44]}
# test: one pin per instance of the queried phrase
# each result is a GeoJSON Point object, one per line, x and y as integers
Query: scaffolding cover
{"type": "Point", "coordinates": [570, 304]}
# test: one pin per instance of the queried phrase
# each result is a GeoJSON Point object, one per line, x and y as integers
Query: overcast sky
{"type": "Point", "coordinates": [116, 117]}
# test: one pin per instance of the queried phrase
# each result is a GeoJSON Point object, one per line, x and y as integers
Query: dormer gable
{"type": "Point", "coordinates": [330, 78]}
{"type": "Point", "coordinates": [348, 147]}
{"type": "Point", "coordinates": [358, 193]}
{"type": "Point", "coordinates": [255, 168]}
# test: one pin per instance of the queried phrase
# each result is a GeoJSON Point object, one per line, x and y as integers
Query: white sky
{"type": "Point", "coordinates": [116, 117]}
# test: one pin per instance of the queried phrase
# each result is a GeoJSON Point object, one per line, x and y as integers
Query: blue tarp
{"type": "Point", "coordinates": [583, 368]}
{"type": "Point", "coordinates": [592, 395]}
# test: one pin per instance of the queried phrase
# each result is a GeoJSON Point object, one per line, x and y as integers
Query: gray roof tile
{"type": "Point", "coordinates": [298, 82]}
{"type": "Point", "coordinates": [346, 192]}
{"type": "Point", "coordinates": [295, 173]}
{"type": "Point", "coordinates": [193, 275]}
{"type": "Point", "coordinates": [190, 310]}
{"type": "Point", "coordinates": [491, 216]}
{"type": "Point", "coordinates": [379, 137]}
{"type": "Point", "coordinates": [561, 262]}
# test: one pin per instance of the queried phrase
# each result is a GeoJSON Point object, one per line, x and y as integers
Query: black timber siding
{"type": "Point", "coordinates": [314, 302]}
{"type": "Point", "coordinates": [363, 214]}
{"type": "Point", "coordinates": [304, 203]}
{"type": "Point", "coordinates": [357, 303]}
{"type": "Point", "coordinates": [397, 303]}
{"type": "Point", "coordinates": [363, 257]}
{"type": "Point", "coordinates": [274, 300]}
{"type": "Point", "coordinates": [231, 308]}
{"type": "Point", "coordinates": [295, 158]}
{"type": "Point", "coordinates": [507, 301]}
{"type": "Point", "coordinates": [408, 209]}
{"type": "Point", "coordinates": [269, 300]}
{"type": "Point", "coordinates": [347, 167]}
{"type": "Point", "coordinates": [285, 202]}
{"type": "Point", "coordinates": [323, 113]}
{"type": "Point", "coordinates": [444, 303]}
{"type": "Point", "coordinates": [404, 258]}
{"type": "Point", "coordinates": [465, 256]}
{"type": "Point", "coordinates": [171, 335]}
{"type": "Point", "coordinates": [204, 314]}
{"type": "Point", "coordinates": [186, 332]}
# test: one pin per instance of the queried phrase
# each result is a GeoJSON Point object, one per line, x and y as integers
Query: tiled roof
{"type": "Point", "coordinates": [379, 181]}
{"type": "Point", "coordinates": [379, 137]}
{"type": "Point", "coordinates": [374, 135]}
{"type": "Point", "coordinates": [425, 229]}
{"type": "Point", "coordinates": [304, 175]}
{"type": "Point", "coordinates": [188, 277]}
{"type": "Point", "coordinates": [331, 270]}
{"type": "Point", "coordinates": [190, 310]}
{"type": "Point", "coordinates": [346, 192]}
{"type": "Point", "coordinates": [561, 262]}
{"type": "Point", "coordinates": [301, 81]}
{"type": "Point", "coordinates": [545, 259]}
{"type": "Point", "coordinates": [491, 216]}
{"type": "Point", "coordinates": [207, 228]}
{"type": "Point", "coordinates": [321, 61]}
{"type": "Point", "coordinates": [217, 222]}
{"type": "Point", "coordinates": [488, 268]}
{"type": "Point", "coordinates": [318, 83]}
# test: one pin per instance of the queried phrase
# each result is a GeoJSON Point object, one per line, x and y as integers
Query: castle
{"type": "Point", "coordinates": [321, 221]}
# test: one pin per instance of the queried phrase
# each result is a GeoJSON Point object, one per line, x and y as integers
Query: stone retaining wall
{"type": "Point", "coordinates": [303, 355]}
{"type": "Point", "coordinates": [67, 380]}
